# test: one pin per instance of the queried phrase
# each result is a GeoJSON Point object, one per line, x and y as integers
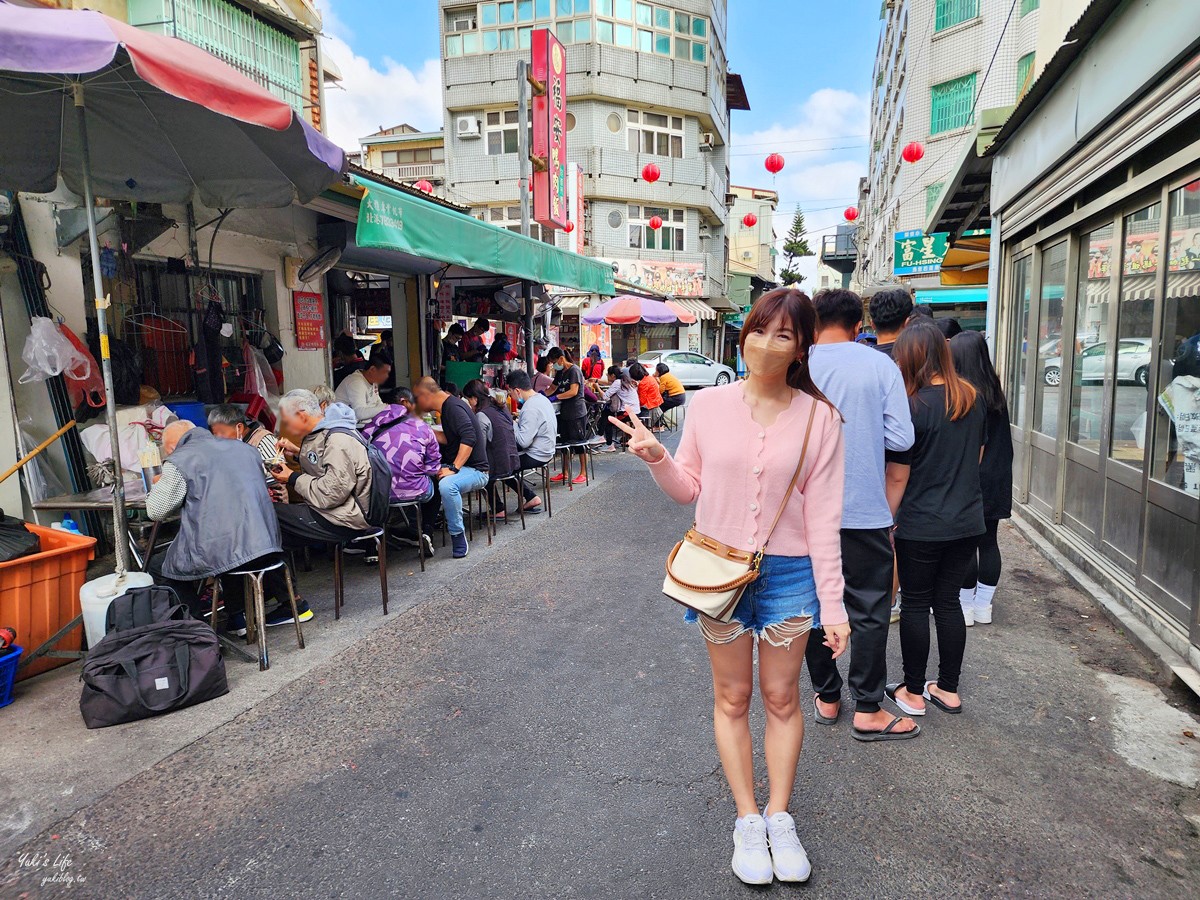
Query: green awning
{"type": "Point", "coordinates": [391, 220]}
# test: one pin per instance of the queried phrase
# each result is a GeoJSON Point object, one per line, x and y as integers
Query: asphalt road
{"type": "Point", "coordinates": [542, 729]}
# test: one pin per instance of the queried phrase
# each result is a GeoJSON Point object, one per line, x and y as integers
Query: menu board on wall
{"type": "Point", "coordinates": [309, 317]}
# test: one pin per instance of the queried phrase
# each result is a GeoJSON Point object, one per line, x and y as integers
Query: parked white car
{"type": "Point", "coordinates": [691, 368]}
{"type": "Point", "coordinates": [1133, 363]}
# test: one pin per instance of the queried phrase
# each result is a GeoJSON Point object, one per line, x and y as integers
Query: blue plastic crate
{"type": "Point", "coordinates": [8, 674]}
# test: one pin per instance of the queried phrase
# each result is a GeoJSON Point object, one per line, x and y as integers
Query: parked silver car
{"type": "Point", "coordinates": [691, 368]}
{"type": "Point", "coordinates": [1133, 363]}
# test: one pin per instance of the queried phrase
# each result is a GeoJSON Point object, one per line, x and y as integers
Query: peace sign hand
{"type": "Point", "coordinates": [642, 443]}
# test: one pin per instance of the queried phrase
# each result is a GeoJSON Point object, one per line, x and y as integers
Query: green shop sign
{"type": "Point", "coordinates": [917, 253]}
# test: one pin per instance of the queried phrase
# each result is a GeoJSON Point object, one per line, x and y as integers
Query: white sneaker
{"type": "Point", "coordinates": [982, 614]}
{"type": "Point", "coordinates": [895, 615]}
{"type": "Point", "coordinates": [969, 615]}
{"type": "Point", "coordinates": [751, 858]}
{"type": "Point", "coordinates": [788, 859]}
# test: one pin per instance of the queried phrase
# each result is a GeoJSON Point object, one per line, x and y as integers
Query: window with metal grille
{"type": "Point", "coordinates": [1024, 68]}
{"type": "Point", "coordinates": [949, 13]}
{"type": "Point", "coordinates": [162, 315]}
{"type": "Point", "coordinates": [251, 45]}
{"type": "Point", "coordinates": [951, 104]}
{"type": "Point", "coordinates": [932, 193]}
{"type": "Point", "coordinates": [1028, 6]}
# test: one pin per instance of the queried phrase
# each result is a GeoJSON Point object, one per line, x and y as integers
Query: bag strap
{"type": "Point", "coordinates": [795, 478]}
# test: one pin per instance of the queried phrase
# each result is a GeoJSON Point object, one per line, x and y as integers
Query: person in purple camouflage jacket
{"type": "Point", "coordinates": [410, 447]}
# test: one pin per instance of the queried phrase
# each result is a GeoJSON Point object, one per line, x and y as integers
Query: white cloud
{"type": "Point", "coordinates": [370, 98]}
{"type": "Point", "coordinates": [824, 145]}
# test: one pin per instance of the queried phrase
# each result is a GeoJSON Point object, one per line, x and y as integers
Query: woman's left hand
{"type": "Point", "coordinates": [837, 638]}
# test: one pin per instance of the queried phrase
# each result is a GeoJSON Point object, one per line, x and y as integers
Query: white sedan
{"type": "Point", "coordinates": [1133, 363]}
{"type": "Point", "coordinates": [691, 368]}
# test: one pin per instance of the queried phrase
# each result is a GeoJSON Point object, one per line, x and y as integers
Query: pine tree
{"type": "Point", "coordinates": [795, 246]}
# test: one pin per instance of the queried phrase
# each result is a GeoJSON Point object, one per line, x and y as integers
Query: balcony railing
{"type": "Point", "coordinates": [432, 171]}
{"type": "Point", "coordinates": [839, 252]}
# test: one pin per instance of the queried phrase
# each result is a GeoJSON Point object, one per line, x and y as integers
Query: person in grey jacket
{"type": "Point", "coordinates": [536, 430]}
{"type": "Point", "coordinates": [333, 484]}
{"type": "Point", "coordinates": [226, 520]}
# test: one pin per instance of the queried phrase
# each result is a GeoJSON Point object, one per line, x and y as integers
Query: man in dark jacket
{"type": "Point", "coordinates": [226, 522]}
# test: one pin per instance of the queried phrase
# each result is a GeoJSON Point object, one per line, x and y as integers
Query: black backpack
{"type": "Point", "coordinates": [380, 493]}
{"type": "Point", "coordinates": [153, 659]}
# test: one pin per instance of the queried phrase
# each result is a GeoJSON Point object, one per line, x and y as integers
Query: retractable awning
{"type": "Point", "coordinates": [391, 220]}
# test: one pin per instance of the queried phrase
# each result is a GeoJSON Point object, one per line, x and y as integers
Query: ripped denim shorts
{"type": "Point", "coordinates": [785, 589]}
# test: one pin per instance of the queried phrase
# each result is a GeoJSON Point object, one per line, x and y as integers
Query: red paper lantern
{"type": "Point", "coordinates": [569, 227]}
{"type": "Point", "coordinates": [913, 152]}
{"type": "Point", "coordinates": [424, 186]}
{"type": "Point", "coordinates": [651, 173]}
{"type": "Point", "coordinates": [655, 223]}
{"type": "Point", "coordinates": [749, 220]}
{"type": "Point", "coordinates": [774, 163]}
{"type": "Point", "coordinates": [851, 213]}
{"type": "Point", "coordinates": [1192, 187]}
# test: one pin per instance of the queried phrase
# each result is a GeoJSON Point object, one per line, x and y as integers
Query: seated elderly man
{"type": "Point", "coordinates": [333, 484]}
{"type": "Point", "coordinates": [464, 456]}
{"type": "Point", "coordinates": [226, 518]}
{"type": "Point", "coordinates": [229, 422]}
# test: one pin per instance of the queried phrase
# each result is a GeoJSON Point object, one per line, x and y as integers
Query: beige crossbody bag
{"type": "Point", "coordinates": [705, 575]}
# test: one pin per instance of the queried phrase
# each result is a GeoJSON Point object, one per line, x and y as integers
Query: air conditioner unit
{"type": "Point", "coordinates": [730, 199]}
{"type": "Point", "coordinates": [468, 127]}
{"type": "Point", "coordinates": [464, 23]}
{"type": "Point", "coordinates": [707, 141]}
{"type": "Point", "coordinates": [746, 254]}
{"type": "Point", "coordinates": [705, 229]}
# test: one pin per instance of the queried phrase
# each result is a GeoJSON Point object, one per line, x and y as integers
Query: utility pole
{"type": "Point", "coordinates": [526, 175]}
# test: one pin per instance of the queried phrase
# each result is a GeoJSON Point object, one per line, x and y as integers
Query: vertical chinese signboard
{"type": "Point", "coordinates": [550, 130]}
{"type": "Point", "coordinates": [309, 319]}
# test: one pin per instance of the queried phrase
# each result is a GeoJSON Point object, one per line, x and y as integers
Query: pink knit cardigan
{"type": "Point", "coordinates": [736, 472]}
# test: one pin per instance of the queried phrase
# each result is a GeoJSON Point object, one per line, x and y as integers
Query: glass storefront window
{"type": "Point", "coordinates": [1016, 362]}
{"type": "Point", "coordinates": [1135, 323]}
{"type": "Point", "coordinates": [1091, 338]}
{"type": "Point", "coordinates": [1049, 339]}
{"type": "Point", "coordinates": [1176, 458]}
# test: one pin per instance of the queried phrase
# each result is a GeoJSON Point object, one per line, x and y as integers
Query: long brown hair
{"type": "Point", "coordinates": [923, 353]}
{"type": "Point", "coordinates": [796, 308]}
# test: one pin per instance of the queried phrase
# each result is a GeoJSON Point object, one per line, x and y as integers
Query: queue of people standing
{"type": "Point", "coordinates": [901, 459]}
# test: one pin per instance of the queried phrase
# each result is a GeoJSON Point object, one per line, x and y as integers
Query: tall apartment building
{"type": "Point", "coordinates": [646, 83]}
{"type": "Point", "coordinates": [939, 63]}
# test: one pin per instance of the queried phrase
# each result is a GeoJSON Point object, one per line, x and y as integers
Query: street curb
{"type": "Point", "coordinates": [1119, 605]}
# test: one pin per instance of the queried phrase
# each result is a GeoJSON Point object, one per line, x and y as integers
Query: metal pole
{"type": "Point", "coordinates": [110, 411]}
{"type": "Point", "coordinates": [526, 174]}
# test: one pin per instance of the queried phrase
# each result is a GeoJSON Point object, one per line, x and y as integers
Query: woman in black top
{"type": "Point", "coordinates": [940, 518]}
{"type": "Point", "coordinates": [572, 409]}
{"type": "Point", "coordinates": [972, 362]}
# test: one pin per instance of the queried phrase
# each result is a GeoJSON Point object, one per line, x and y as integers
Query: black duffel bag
{"type": "Point", "coordinates": [152, 667]}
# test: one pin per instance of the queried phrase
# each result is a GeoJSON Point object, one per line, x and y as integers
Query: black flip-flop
{"type": "Point", "coordinates": [886, 734]}
{"type": "Point", "coordinates": [826, 720]}
{"type": "Point", "coordinates": [890, 692]}
{"type": "Point", "coordinates": [939, 702]}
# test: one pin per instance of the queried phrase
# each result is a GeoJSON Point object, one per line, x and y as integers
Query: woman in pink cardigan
{"type": "Point", "coordinates": [736, 459]}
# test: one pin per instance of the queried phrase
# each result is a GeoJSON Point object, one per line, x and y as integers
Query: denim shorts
{"type": "Point", "coordinates": [784, 589]}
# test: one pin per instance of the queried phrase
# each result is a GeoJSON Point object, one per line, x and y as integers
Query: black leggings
{"type": "Point", "coordinates": [930, 573]}
{"type": "Point", "coordinates": [985, 565]}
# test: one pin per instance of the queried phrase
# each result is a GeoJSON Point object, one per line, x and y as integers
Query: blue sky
{"type": "Point", "coordinates": [806, 65]}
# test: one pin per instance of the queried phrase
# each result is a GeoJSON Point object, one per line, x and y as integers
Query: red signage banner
{"type": "Point", "coordinates": [549, 113]}
{"type": "Point", "coordinates": [309, 319]}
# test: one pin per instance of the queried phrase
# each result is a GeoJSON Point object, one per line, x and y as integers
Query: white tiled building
{"type": "Point", "coordinates": [647, 83]}
{"type": "Point", "coordinates": [939, 63]}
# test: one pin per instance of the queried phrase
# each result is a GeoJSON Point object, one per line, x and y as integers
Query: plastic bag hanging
{"type": "Point", "coordinates": [48, 352]}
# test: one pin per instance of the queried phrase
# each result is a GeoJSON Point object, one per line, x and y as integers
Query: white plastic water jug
{"type": "Point", "coordinates": [96, 595]}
